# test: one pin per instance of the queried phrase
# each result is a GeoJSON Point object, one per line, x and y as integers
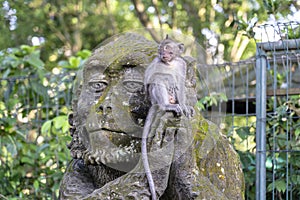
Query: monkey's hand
{"type": "Point", "coordinates": [188, 110]}
{"type": "Point", "coordinates": [175, 108]}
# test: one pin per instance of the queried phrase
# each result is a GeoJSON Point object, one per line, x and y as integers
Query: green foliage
{"type": "Point", "coordinates": [212, 100]}
{"type": "Point", "coordinates": [282, 138]}
{"type": "Point", "coordinates": [33, 122]}
{"type": "Point", "coordinates": [63, 27]}
{"type": "Point", "coordinates": [66, 27]}
{"type": "Point", "coordinates": [34, 168]}
{"type": "Point", "coordinates": [277, 7]}
{"type": "Point", "coordinates": [75, 62]}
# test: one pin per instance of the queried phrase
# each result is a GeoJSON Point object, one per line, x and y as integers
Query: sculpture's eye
{"type": "Point", "coordinates": [132, 86]}
{"type": "Point", "coordinates": [97, 85]}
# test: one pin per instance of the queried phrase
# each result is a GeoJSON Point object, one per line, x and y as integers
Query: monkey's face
{"type": "Point", "coordinates": [169, 49]}
{"type": "Point", "coordinates": [167, 53]}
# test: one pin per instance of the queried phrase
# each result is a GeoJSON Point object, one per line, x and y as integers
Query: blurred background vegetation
{"type": "Point", "coordinates": [44, 42]}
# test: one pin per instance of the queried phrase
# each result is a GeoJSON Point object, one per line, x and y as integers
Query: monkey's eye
{"type": "Point", "coordinates": [97, 85]}
{"type": "Point", "coordinates": [167, 47]}
{"type": "Point", "coordinates": [132, 86]}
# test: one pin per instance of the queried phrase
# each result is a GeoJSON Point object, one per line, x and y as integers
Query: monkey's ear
{"type": "Point", "coordinates": [181, 48]}
{"type": "Point", "coordinates": [167, 36]}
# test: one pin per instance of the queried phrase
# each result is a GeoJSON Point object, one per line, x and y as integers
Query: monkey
{"type": "Point", "coordinates": [164, 84]}
{"type": "Point", "coordinates": [165, 78]}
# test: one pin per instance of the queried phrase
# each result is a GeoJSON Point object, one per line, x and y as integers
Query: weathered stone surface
{"type": "Point", "coordinates": [189, 158]}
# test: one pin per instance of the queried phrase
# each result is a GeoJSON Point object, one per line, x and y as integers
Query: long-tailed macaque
{"type": "Point", "coordinates": [165, 85]}
{"type": "Point", "coordinates": [165, 78]}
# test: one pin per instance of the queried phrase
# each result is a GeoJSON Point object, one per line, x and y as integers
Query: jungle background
{"type": "Point", "coordinates": [44, 42]}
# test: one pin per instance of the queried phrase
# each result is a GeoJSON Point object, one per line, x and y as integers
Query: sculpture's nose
{"type": "Point", "coordinates": [105, 109]}
{"type": "Point", "coordinates": [105, 117]}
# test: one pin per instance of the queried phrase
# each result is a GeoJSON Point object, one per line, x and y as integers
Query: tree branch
{"type": "Point", "coordinates": [144, 19]}
{"type": "Point", "coordinates": [154, 3]}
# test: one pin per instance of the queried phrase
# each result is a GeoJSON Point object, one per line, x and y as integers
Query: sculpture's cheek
{"type": "Point", "coordinates": [85, 102]}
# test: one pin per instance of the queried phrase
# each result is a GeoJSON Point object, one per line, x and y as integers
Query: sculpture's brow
{"type": "Point", "coordinates": [97, 77]}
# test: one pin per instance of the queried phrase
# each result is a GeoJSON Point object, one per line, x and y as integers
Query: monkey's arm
{"type": "Point", "coordinates": [182, 92]}
{"type": "Point", "coordinates": [159, 96]}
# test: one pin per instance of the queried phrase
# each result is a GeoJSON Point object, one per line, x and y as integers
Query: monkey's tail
{"type": "Point", "coordinates": [145, 159]}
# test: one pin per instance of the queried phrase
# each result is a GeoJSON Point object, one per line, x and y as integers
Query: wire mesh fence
{"type": "Point", "coordinates": [278, 68]}
{"type": "Point", "coordinates": [261, 114]}
{"type": "Point", "coordinates": [33, 136]}
{"type": "Point", "coordinates": [236, 115]}
{"type": "Point", "coordinates": [32, 101]}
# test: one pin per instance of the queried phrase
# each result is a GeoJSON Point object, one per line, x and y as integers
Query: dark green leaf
{"type": "Point", "coordinates": [34, 60]}
{"type": "Point", "coordinates": [243, 132]}
{"type": "Point", "coordinates": [27, 160]}
{"type": "Point", "coordinates": [39, 89]}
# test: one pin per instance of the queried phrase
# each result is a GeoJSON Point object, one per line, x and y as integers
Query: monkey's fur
{"type": "Point", "coordinates": [165, 86]}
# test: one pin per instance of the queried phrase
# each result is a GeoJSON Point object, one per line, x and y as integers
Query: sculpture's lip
{"type": "Point", "coordinates": [114, 132]}
{"type": "Point", "coordinates": [107, 130]}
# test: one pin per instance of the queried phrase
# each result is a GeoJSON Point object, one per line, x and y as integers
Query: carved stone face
{"type": "Point", "coordinates": [111, 110]}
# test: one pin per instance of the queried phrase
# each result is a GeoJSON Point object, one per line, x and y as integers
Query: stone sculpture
{"type": "Point", "coordinates": [189, 157]}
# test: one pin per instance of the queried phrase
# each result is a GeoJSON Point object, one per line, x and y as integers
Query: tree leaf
{"type": "Point", "coordinates": [34, 60]}
{"type": "Point", "coordinates": [84, 54]}
{"type": "Point", "coordinates": [74, 62]}
{"type": "Point", "coordinates": [46, 127]}
{"type": "Point", "coordinates": [65, 127]}
{"type": "Point", "coordinates": [39, 89]}
{"type": "Point", "coordinates": [243, 132]}
{"type": "Point", "coordinates": [36, 184]}
{"type": "Point", "coordinates": [64, 64]}
{"type": "Point", "coordinates": [59, 121]}
{"type": "Point", "coordinates": [27, 160]}
{"type": "Point", "coordinates": [41, 148]}
{"type": "Point", "coordinates": [280, 185]}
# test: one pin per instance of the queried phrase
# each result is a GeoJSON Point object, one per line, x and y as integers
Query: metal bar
{"type": "Point", "coordinates": [261, 98]}
{"type": "Point", "coordinates": [283, 92]}
{"type": "Point", "coordinates": [279, 45]}
{"type": "Point", "coordinates": [288, 81]}
{"type": "Point", "coordinates": [274, 159]}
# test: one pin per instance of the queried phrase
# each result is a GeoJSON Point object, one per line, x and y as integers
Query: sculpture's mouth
{"type": "Point", "coordinates": [112, 148]}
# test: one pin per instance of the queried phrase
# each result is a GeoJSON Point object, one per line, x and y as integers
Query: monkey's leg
{"type": "Point", "coordinates": [159, 95]}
